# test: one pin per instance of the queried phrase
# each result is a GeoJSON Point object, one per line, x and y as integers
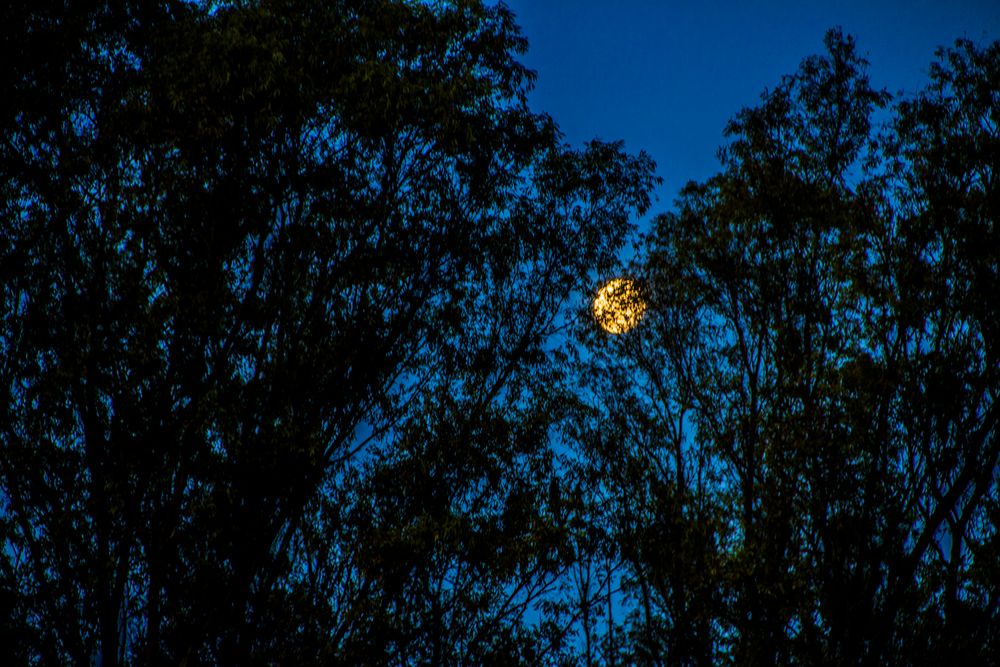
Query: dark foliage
{"type": "Point", "coordinates": [803, 436]}
{"type": "Point", "coordinates": [286, 379]}
{"type": "Point", "coordinates": [241, 243]}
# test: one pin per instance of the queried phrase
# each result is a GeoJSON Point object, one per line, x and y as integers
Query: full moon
{"type": "Point", "coordinates": [619, 305]}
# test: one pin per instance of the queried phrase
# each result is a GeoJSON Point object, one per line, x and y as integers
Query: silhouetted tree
{"type": "Point", "coordinates": [241, 244]}
{"type": "Point", "coordinates": [802, 437]}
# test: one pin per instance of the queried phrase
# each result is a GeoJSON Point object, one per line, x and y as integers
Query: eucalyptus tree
{"type": "Point", "coordinates": [803, 432]}
{"type": "Point", "coordinates": [242, 243]}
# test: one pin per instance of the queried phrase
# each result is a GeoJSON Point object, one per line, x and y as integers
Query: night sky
{"type": "Point", "coordinates": [666, 75]}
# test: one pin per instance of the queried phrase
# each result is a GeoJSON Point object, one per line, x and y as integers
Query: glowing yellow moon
{"type": "Point", "coordinates": [619, 305]}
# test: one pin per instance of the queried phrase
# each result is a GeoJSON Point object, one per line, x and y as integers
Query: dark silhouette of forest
{"type": "Point", "coordinates": [297, 366]}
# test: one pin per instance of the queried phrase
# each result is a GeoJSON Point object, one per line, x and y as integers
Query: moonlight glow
{"type": "Point", "coordinates": [619, 305]}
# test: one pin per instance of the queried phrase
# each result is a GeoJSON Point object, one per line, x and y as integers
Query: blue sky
{"type": "Point", "coordinates": [666, 75]}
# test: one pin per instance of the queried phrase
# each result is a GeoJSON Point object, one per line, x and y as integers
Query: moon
{"type": "Point", "coordinates": [619, 306]}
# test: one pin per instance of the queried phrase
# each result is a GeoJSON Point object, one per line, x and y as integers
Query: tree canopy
{"type": "Point", "coordinates": [297, 364]}
{"type": "Point", "coordinates": [802, 442]}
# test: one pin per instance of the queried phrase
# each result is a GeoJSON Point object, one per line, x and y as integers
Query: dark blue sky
{"type": "Point", "coordinates": [666, 75]}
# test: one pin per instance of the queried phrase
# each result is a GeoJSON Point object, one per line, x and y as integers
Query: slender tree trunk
{"type": "Point", "coordinates": [153, 610]}
{"type": "Point", "coordinates": [611, 624]}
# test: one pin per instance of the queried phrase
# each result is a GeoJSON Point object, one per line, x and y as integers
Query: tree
{"type": "Point", "coordinates": [242, 244]}
{"type": "Point", "coordinates": [803, 435]}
